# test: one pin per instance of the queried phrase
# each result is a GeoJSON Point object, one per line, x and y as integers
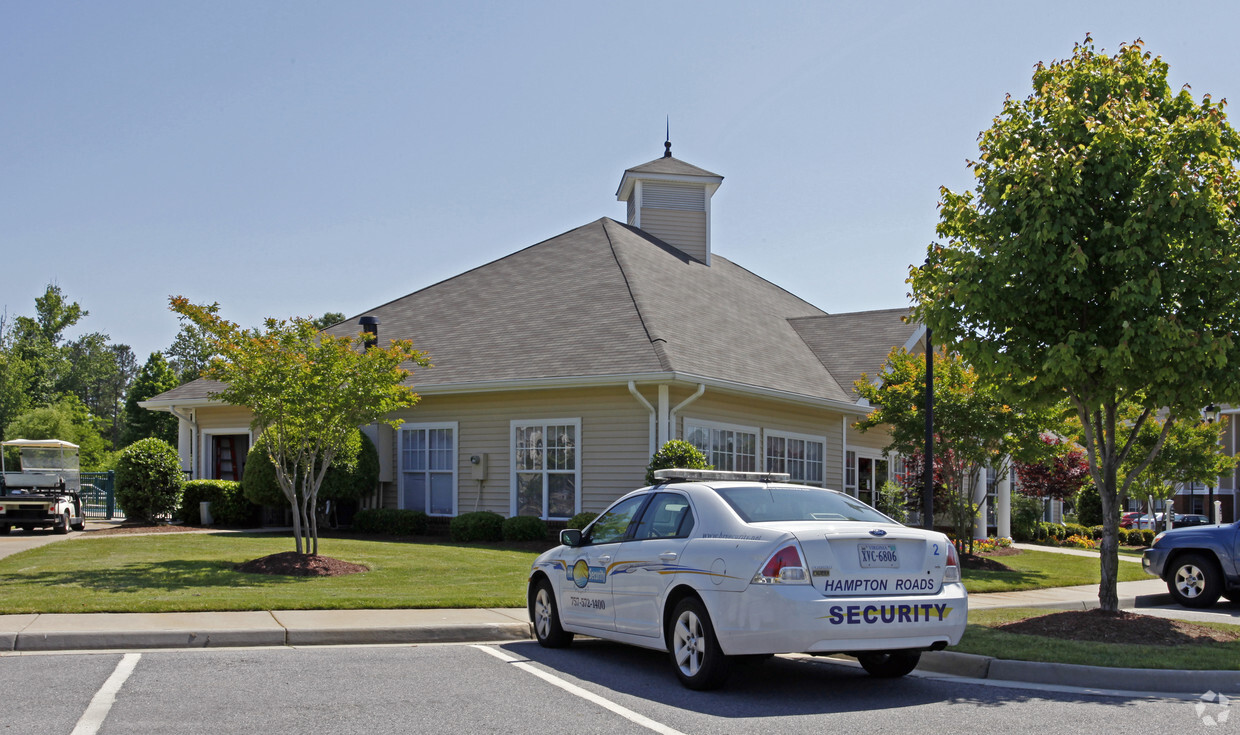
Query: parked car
{"type": "Point", "coordinates": [1198, 563]}
{"type": "Point", "coordinates": [1126, 520]}
{"type": "Point", "coordinates": [710, 566]}
{"type": "Point", "coordinates": [1148, 522]}
{"type": "Point", "coordinates": [1185, 520]}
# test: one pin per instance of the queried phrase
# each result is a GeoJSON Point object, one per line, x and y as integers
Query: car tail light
{"type": "Point", "coordinates": [784, 567]}
{"type": "Point", "coordinates": [952, 572]}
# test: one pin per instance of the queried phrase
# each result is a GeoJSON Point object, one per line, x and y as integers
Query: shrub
{"type": "Point", "coordinates": [1141, 537]}
{"type": "Point", "coordinates": [482, 525]}
{"type": "Point", "coordinates": [148, 480]}
{"type": "Point", "coordinates": [581, 520]}
{"type": "Point", "coordinates": [1026, 514]}
{"type": "Point", "coordinates": [229, 506]}
{"type": "Point", "coordinates": [1095, 532]}
{"type": "Point", "coordinates": [354, 472]}
{"type": "Point", "coordinates": [524, 528]}
{"type": "Point", "coordinates": [1075, 529]}
{"type": "Point", "coordinates": [390, 522]}
{"type": "Point", "coordinates": [892, 502]}
{"type": "Point", "coordinates": [676, 453]}
{"type": "Point", "coordinates": [1089, 506]}
{"type": "Point", "coordinates": [1076, 541]}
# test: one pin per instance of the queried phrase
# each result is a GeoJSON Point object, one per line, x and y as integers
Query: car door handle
{"type": "Point", "coordinates": [604, 560]}
{"type": "Point", "coordinates": [668, 556]}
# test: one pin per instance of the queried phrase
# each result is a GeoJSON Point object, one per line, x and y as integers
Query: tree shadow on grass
{"type": "Point", "coordinates": [163, 576]}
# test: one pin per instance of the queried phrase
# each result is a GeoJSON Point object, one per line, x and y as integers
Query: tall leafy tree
{"type": "Point", "coordinates": [308, 393]}
{"type": "Point", "coordinates": [1059, 475]}
{"type": "Point", "coordinates": [155, 377]}
{"type": "Point", "coordinates": [38, 342]}
{"type": "Point", "coordinates": [1192, 452]}
{"type": "Point", "coordinates": [99, 373]}
{"type": "Point", "coordinates": [192, 348]}
{"type": "Point", "coordinates": [974, 426]}
{"type": "Point", "coordinates": [15, 377]}
{"type": "Point", "coordinates": [70, 420]}
{"type": "Point", "coordinates": [1093, 259]}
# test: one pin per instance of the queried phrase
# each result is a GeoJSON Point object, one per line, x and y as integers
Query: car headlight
{"type": "Point", "coordinates": [1158, 538]}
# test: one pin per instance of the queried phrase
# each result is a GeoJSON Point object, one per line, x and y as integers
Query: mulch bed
{"type": "Point", "coordinates": [1118, 627]}
{"type": "Point", "coordinates": [986, 562]}
{"type": "Point", "coordinates": [132, 528]}
{"type": "Point", "coordinates": [290, 563]}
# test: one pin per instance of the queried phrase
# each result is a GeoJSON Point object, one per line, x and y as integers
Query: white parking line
{"type": "Point", "coordinates": [102, 703]}
{"type": "Point", "coordinates": [624, 712]}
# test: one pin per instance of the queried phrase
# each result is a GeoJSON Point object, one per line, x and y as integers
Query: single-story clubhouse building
{"type": "Point", "coordinates": [561, 368]}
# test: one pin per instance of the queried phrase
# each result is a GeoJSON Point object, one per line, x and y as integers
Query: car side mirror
{"type": "Point", "coordinates": [570, 537]}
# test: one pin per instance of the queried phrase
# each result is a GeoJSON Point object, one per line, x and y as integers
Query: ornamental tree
{"type": "Point", "coordinates": [308, 393]}
{"type": "Point", "coordinates": [1058, 476]}
{"type": "Point", "coordinates": [1094, 259]}
{"type": "Point", "coordinates": [974, 427]}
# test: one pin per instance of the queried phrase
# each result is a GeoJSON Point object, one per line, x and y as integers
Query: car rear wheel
{"type": "Point", "coordinates": [696, 655]}
{"type": "Point", "coordinates": [546, 618]}
{"type": "Point", "coordinates": [889, 664]}
{"type": "Point", "coordinates": [62, 527]}
{"type": "Point", "coordinates": [1195, 581]}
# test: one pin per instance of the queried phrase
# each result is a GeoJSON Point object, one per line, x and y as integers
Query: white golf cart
{"type": "Point", "coordinates": [45, 491]}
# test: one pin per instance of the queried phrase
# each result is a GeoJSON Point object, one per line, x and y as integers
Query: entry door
{"type": "Point", "coordinates": [871, 476]}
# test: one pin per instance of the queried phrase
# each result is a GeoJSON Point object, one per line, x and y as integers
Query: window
{"type": "Point", "coordinates": [614, 523]}
{"type": "Point", "coordinates": [850, 472]}
{"type": "Point", "coordinates": [546, 469]}
{"type": "Point", "coordinates": [667, 516]}
{"type": "Point", "coordinates": [428, 468]}
{"type": "Point", "coordinates": [729, 448]}
{"type": "Point", "coordinates": [864, 475]}
{"type": "Point", "coordinates": [760, 503]}
{"type": "Point", "coordinates": [800, 456]}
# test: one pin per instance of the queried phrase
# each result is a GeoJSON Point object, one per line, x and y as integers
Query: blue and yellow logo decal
{"type": "Point", "coordinates": [582, 574]}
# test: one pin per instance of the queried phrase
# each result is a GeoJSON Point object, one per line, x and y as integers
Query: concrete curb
{"type": "Point", "coordinates": [1170, 681]}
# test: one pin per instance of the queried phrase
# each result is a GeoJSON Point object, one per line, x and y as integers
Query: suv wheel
{"type": "Point", "coordinates": [1195, 581]}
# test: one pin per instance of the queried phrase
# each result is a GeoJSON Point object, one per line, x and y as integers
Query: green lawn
{"type": "Point", "coordinates": [194, 572]}
{"type": "Point", "coordinates": [1039, 569]}
{"type": "Point", "coordinates": [980, 639]}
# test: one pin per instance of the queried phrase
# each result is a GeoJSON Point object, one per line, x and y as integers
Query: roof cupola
{"type": "Point", "coordinates": [670, 199]}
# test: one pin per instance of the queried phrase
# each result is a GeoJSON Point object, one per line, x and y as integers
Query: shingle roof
{"type": "Point", "coordinates": [607, 299]}
{"type": "Point", "coordinates": [670, 166]}
{"type": "Point", "coordinates": [850, 345]}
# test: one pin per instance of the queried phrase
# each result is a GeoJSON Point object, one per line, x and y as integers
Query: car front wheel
{"type": "Point", "coordinates": [699, 661]}
{"type": "Point", "coordinates": [63, 526]}
{"type": "Point", "coordinates": [546, 618]}
{"type": "Point", "coordinates": [1195, 581]}
{"type": "Point", "coordinates": [889, 664]}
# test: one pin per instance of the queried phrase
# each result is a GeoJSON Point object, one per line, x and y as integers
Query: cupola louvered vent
{"type": "Point", "coordinates": [674, 196]}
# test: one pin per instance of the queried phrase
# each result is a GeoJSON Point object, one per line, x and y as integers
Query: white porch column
{"type": "Point", "coordinates": [185, 443]}
{"type": "Point", "coordinates": [664, 412]}
{"type": "Point", "coordinates": [977, 491]}
{"type": "Point", "coordinates": [1003, 505]}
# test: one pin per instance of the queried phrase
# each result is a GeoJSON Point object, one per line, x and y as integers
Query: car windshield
{"type": "Point", "coordinates": [757, 504]}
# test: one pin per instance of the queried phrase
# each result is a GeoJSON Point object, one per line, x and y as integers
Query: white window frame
{"type": "Point", "coordinates": [709, 426]}
{"type": "Point", "coordinates": [850, 472]}
{"type": "Point", "coordinates": [821, 441]}
{"type": "Point", "coordinates": [401, 471]}
{"type": "Point", "coordinates": [207, 456]}
{"type": "Point", "coordinates": [512, 462]}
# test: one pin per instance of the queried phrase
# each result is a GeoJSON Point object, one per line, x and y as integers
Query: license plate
{"type": "Point", "coordinates": [878, 555]}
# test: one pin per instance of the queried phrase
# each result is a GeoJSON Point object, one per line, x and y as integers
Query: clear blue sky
{"type": "Point", "coordinates": [293, 158]}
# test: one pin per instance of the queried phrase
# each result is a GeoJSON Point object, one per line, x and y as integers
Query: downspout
{"type": "Point", "coordinates": [671, 420]}
{"type": "Point", "coordinates": [193, 437]}
{"type": "Point", "coordinates": [642, 400]}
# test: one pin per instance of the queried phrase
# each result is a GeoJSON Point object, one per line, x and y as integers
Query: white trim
{"type": "Point", "coordinates": [652, 431]}
{"type": "Point", "coordinates": [514, 470]}
{"type": "Point", "coordinates": [207, 457]}
{"type": "Point", "coordinates": [400, 464]}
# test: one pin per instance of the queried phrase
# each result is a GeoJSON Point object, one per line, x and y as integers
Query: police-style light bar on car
{"type": "Point", "coordinates": [681, 475]}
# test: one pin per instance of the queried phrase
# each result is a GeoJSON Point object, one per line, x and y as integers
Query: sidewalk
{"type": "Point", "coordinates": [113, 631]}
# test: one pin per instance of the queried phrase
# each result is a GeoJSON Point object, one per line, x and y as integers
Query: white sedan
{"type": "Point", "coordinates": [712, 565]}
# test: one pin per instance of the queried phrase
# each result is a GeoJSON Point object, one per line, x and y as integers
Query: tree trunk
{"type": "Point", "coordinates": [1108, 591]}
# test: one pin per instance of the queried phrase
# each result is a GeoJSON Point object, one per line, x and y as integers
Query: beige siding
{"type": "Point", "coordinates": [684, 230]}
{"type": "Point", "coordinates": [613, 442]}
{"type": "Point", "coordinates": [223, 417]}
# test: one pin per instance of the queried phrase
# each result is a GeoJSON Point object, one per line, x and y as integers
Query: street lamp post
{"type": "Point", "coordinates": [1211, 414]}
{"type": "Point", "coordinates": [927, 491]}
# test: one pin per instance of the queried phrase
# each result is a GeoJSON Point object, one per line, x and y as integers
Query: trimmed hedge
{"type": "Point", "coordinates": [229, 506]}
{"type": "Point", "coordinates": [390, 522]}
{"type": "Point", "coordinates": [524, 528]}
{"type": "Point", "coordinates": [480, 525]}
{"type": "Point", "coordinates": [354, 472]}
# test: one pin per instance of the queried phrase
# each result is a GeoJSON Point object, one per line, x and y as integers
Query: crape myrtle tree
{"type": "Point", "coordinates": [1058, 475]}
{"type": "Point", "coordinates": [308, 393]}
{"type": "Point", "coordinates": [974, 427]}
{"type": "Point", "coordinates": [1192, 452]}
{"type": "Point", "coordinates": [1094, 260]}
